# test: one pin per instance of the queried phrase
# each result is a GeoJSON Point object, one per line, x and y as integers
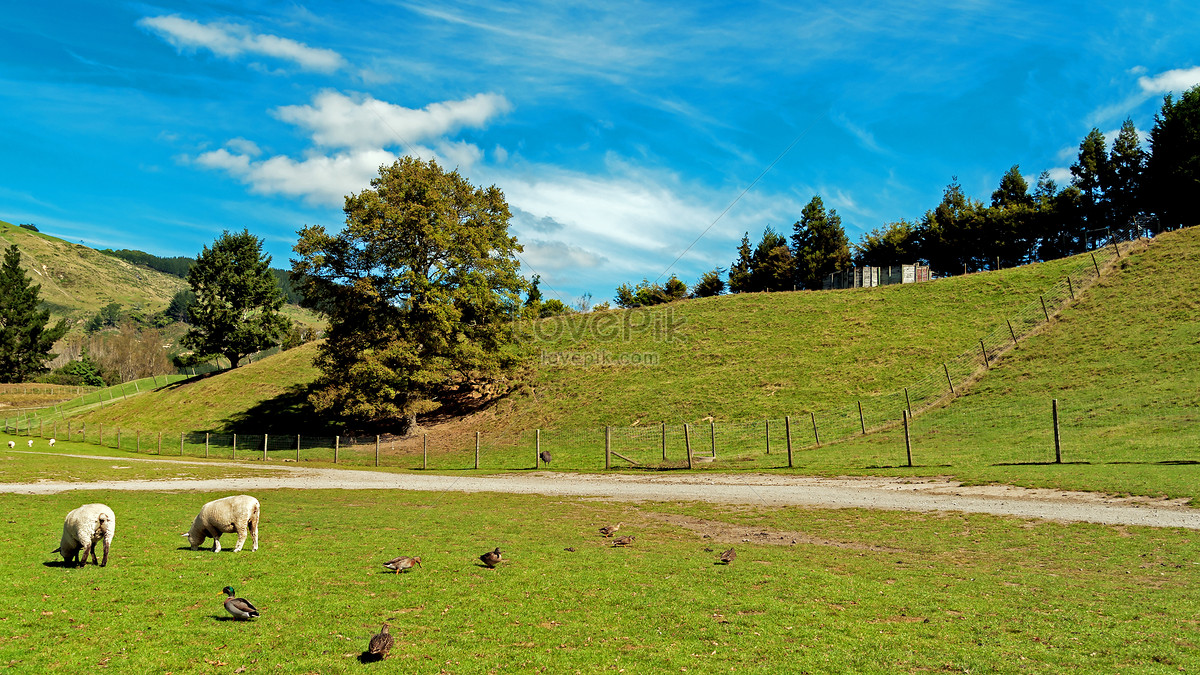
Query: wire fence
{"type": "Point", "coordinates": [786, 441]}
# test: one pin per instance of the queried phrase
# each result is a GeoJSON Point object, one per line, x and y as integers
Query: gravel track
{"type": "Point", "coordinates": [921, 494]}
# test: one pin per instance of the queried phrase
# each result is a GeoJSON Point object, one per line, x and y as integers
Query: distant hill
{"type": "Point", "coordinates": [77, 280]}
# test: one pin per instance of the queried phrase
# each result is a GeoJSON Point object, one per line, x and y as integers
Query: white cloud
{"type": "Point", "coordinates": [1061, 175]}
{"type": "Point", "coordinates": [558, 256]}
{"type": "Point", "coordinates": [340, 121]}
{"type": "Point", "coordinates": [1176, 81]}
{"type": "Point", "coordinates": [366, 133]}
{"type": "Point", "coordinates": [232, 40]}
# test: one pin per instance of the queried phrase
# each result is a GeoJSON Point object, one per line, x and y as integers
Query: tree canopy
{"type": "Point", "coordinates": [236, 309]}
{"type": "Point", "coordinates": [420, 287]}
{"type": "Point", "coordinates": [819, 245]}
{"type": "Point", "coordinates": [25, 339]}
{"type": "Point", "coordinates": [1173, 166]}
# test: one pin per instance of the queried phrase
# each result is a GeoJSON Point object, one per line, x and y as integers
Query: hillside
{"type": "Point", "coordinates": [1122, 365]}
{"type": "Point", "coordinates": [77, 280]}
{"type": "Point", "coordinates": [731, 358]}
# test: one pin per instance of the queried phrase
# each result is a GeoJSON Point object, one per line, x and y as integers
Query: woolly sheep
{"type": "Point", "coordinates": [30, 443]}
{"type": "Point", "coordinates": [231, 514]}
{"type": "Point", "coordinates": [84, 527]}
{"type": "Point", "coordinates": [12, 444]}
{"type": "Point", "coordinates": [52, 442]}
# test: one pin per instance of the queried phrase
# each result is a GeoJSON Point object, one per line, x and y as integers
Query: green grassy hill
{"type": "Point", "coordinates": [731, 358]}
{"type": "Point", "coordinates": [77, 280]}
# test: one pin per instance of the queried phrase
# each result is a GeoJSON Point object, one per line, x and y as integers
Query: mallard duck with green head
{"type": "Point", "coordinates": [240, 608]}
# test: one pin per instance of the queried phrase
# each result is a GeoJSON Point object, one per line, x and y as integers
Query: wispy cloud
{"type": "Point", "coordinates": [338, 120]}
{"type": "Point", "coordinates": [1176, 81]}
{"type": "Point", "coordinates": [233, 40]}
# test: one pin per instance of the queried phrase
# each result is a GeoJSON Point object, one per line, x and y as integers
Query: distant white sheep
{"type": "Point", "coordinates": [52, 442]}
{"type": "Point", "coordinates": [12, 444]}
{"type": "Point", "coordinates": [30, 443]}
{"type": "Point", "coordinates": [82, 528]}
{"type": "Point", "coordinates": [231, 514]}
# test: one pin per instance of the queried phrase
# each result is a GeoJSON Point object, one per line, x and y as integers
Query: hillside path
{"type": "Point", "coordinates": [897, 494]}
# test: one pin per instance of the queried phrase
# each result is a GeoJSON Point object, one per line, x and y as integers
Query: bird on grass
{"type": "Point", "coordinates": [381, 643]}
{"type": "Point", "coordinates": [728, 556]}
{"type": "Point", "coordinates": [610, 530]}
{"type": "Point", "coordinates": [402, 563]}
{"type": "Point", "coordinates": [491, 558]}
{"type": "Point", "coordinates": [240, 608]}
{"type": "Point", "coordinates": [545, 456]}
{"type": "Point", "coordinates": [623, 541]}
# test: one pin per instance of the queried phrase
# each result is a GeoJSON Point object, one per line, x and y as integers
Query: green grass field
{"type": "Point", "coordinates": [860, 591]}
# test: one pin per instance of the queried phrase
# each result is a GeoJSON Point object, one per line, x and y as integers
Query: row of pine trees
{"type": "Point", "coordinates": [1115, 192]}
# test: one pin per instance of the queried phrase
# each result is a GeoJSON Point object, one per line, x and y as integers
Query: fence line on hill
{"type": "Point", "coordinates": [764, 443]}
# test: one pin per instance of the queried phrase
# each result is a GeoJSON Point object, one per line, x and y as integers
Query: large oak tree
{"type": "Point", "coordinates": [420, 288]}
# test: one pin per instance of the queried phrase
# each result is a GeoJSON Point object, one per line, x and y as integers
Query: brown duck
{"type": "Point", "coordinates": [491, 558]}
{"type": "Point", "coordinates": [381, 643]}
{"type": "Point", "coordinates": [610, 530]}
{"type": "Point", "coordinates": [402, 564]}
{"type": "Point", "coordinates": [728, 556]}
{"type": "Point", "coordinates": [623, 541]}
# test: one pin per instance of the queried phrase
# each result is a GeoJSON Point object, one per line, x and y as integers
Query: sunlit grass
{"type": "Point", "coordinates": [898, 592]}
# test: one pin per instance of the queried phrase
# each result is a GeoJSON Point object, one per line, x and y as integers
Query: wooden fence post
{"type": "Point", "coordinates": [814, 423]}
{"type": "Point", "coordinates": [687, 442]}
{"type": "Point", "coordinates": [424, 451]}
{"type": "Point", "coordinates": [664, 441]}
{"type": "Point", "coordinates": [376, 449]}
{"type": "Point", "coordinates": [1071, 288]}
{"type": "Point", "coordinates": [950, 381]}
{"type": "Point", "coordinates": [233, 454]}
{"type": "Point", "coordinates": [160, 442]}
{"type": "Point", "coordinates": [1011, 332]}
{"type": "Point", "coordinates": [1057, 445]}
{"type": "Point", "coordinates": [181, 434]}
{"type": "Point", "coordinates": [1044, 310]}
{"type": "Point", "coordinates": [712, 436]}
{"type": "Point", "coordinates": [907, 403]}
{"type": "Point", "coordinates": [537, 448]}
{"type": "Point", "coordinates": [137, 445]}
{"type": "Point", "coordinates": [907, 443]}
{"type": "Point", "coordinates": [297, 447]}
{"type": "Point", "coordinates": [862, 422]}
{"type": "Point", "coordinates": [476, 449]}
{"type": "Point", "coordinates": [768, 436]}
{"type": "Point", "coordinates": [337, 443]}
{"type": "Point", "coordinates": [985, 356]}
{"type": "Point", "coordinates": [266, 441]}
{"type": "Point", "coordinates": [607, 448]}
{"type": "Point", "coordinates": [787, 427]}
{"type": "Point", "coordinates": [1117, 249]}
{"type": "Point", "coordinates": [1096, 265]}
{"type": "Point", "coordinates": [118, 438]}
{"type": "Point", "coordinates": [206, 445]}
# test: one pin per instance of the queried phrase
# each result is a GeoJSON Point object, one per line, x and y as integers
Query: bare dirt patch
{"type": "Point", "coordinates": [726, 533]}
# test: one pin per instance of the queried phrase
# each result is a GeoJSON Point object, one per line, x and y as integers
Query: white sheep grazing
{"type": "Point", "coordinates": [30, 443]}
{"type": "Point", "coordinates": [12, 444]}
{"type": "Point", "coordinates": [84, 527]}
{"type": "Point", "coordinates": [52, 442]}
{"type": "Point", "coordinates": [231, 514]}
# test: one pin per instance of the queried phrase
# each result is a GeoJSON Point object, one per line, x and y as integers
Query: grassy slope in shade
{"type": "Point", "coordinates": [909, 592]}
{"type": "Point", "coordinates": [1122, 364]}
{"type": "Point", "coordinates": [260, 396]}
{"type": "Point", "coordinates": [77, 280]}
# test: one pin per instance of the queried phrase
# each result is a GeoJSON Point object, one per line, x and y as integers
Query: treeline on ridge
{"type": "Point", "coordinates": [178, 266]}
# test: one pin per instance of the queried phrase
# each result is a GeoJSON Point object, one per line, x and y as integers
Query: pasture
{"type": "Point", "coordinates": [858, 590]}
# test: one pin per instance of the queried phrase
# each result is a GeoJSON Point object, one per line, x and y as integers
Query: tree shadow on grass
{"type": "Point", "coordinates": [1047, 463]}
{"type": "Point", "coordinates": [288, 413]}
{"type": "Point", "coordinates": [1165, 462]}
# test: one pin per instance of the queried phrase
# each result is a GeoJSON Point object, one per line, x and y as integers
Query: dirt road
{"type": "Point", "coordinates": [923, 494]}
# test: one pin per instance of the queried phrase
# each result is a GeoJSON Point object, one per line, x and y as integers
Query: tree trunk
{"type": "Point", "coordinates": [234, 360]}
{"type": "Point", "coordinates": [408, 425]}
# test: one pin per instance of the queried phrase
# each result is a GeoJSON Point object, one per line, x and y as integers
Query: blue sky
{"type": "Point", "coordinates": [619, 133]}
